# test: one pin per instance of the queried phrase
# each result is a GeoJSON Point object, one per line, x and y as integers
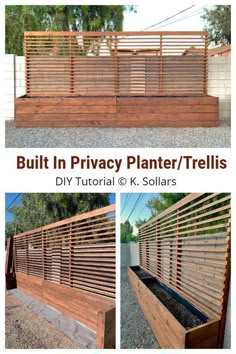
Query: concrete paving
{"type": "Point", "coordinates": [25, 330]}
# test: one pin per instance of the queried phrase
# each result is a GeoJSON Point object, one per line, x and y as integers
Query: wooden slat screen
{"type": "Point", "coordinates": [187, 247]}
{"type": "Point", "coordinates": [78, 252]}
{"type": "Point", "coordinates": [116, 63]}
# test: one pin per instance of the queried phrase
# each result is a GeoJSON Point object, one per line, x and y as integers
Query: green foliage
{"type": "Point", "coordinates": [134, 239]}
{"type": "Point", "coordinates": [218, 24]}
{"type": "Point", "coordinates": [164, 201]}
{"type": "Point", "coordinates": [126, 232]}
{"type": "Point", "coordinates": [38, 209]}
{"type": "Point", "coordinates": [20, 18]}
{"type": "Point", "coordinates": [159, 204]}
{"type": "Point", "coordinates": [140, 222]}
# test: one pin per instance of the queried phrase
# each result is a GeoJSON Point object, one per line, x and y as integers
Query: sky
{"type": "Point", "coordinates": [15, 199]}
{"type": "Point", "coordinates": [148, 15]}
{"type": "Point", "coordinates": [128, 201]}
{"type": "Point", "coordinates": [9, 200]}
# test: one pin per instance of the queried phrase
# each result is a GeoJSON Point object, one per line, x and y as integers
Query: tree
{"type": "Point", "coordinates": [140, 222]}
{"type": "Point", "coordinates": [218, 24]}
{"type": "Point", "coordinates": [159, 204]}
{"type": "Point", "coordinates": [20, 18]}
{"type": "Point", "coordinates": [126, 232]}
{"type": "Point", "coordinates": [38, 209]}
{"type": "Point", "coordinates": [164, 201]}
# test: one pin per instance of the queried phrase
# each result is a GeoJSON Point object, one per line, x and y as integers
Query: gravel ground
{"type": "Point", "coordinates": [117, 137]}
{"type": "Point", "coordinates": [135, 331]}
{"type": "Point", "coordinates": [25, 330]}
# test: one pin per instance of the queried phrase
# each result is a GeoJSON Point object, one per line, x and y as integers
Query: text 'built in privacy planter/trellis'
{"type": "Point", "coordinates": [182, 282]}
{"type": "Point", "coordinates": [70, 265]}
{"type": "Point", "coordinates": [116, 79]}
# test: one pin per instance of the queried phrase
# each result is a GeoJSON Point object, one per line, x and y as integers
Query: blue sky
{"type": "Point", "coordinates": [128, 201]}
{"type": "Point", "coordinates": [9, 198]}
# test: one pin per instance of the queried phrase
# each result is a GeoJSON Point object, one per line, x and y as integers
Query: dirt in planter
{"type": "Point", "coordinates": [142, 274]}
{"type": "Point", "coordinates": [181, 313]}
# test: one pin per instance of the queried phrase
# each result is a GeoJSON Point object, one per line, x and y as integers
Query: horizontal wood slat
{"type": "Point", "coordinates": [78, 252]}
{"type": "Point", "coordinates": [187, 247]}
{"type": "Point", "coordinates": [115, 63]}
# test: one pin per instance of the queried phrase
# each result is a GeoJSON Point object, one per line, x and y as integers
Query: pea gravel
{"type": "Point", "coordinates": [116, 137]}
{"type": "Point", "coordinates": [135, 331]}
{"type": "Point", "coordinates": [26, 330]}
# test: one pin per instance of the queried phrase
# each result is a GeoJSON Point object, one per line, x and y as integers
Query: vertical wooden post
{"type": "Point", "coordinates": [158, 255]}
{"type": "Point", "coordinates": [205, 89]}
{"type": "Point", "coordinates": [116, 85]}
{"type": "Point", "coordinates": [171, 263]}
{"type": "Point", "coordinates": [226, 286]}
{"type": "Point", "coordinates": [14, 256]}
{"type": "Point", "coordinates": [161, 67]}
{"type": "Point", "coordinates": [27, 254]}
{"type": "Point", "coordinates": [70, 256]}
{"type": "Point", "coordinates": [178, 253]}
{"type": "Point", "coordinates": [10, 265]}
{"type": "Point", "coordinates": [27, 81]}
{"type": "Point", "coordinates": [147, 254]}
{"type": "Point", "coordinates": [43, 255]}
{"type": "Point", "coordinates": [71, 66]}
{"type": "Point", "coordinates": [139, 248]}
{"type": "Point", "coordinates": [106, 329]}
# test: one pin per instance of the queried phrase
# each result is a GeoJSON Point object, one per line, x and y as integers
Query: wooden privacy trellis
{"type": "Point", "coordinates": [187, 248]}
{"type": "Point", "coordinates": [116, 79]}
{"type": "Point", "coordinates": [115, 63]}
{"type": "Point", "coordinates": [70, 265]}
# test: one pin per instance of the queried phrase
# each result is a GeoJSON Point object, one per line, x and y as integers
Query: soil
{"type": "Point", "coordinates": [142, 274]}
{"type": "Point", "coordinates": [181, 313]}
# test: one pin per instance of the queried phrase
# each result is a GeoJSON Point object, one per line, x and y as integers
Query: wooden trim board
{"type": "Point", "coordinates": [117, 112]}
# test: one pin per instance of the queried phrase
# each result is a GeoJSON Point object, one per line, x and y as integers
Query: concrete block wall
{"type": "Point", "coordinates": [20, 76]}
{"type": "Point", "coordinates": [219, 85]}
{"type": "Point", "coordinates": [134, 253]}
{"type": "Point", "coordinates": [14, 82]}
{"type": "Point", "coordinates": [124, 260]}
{"type": "Point", "coordinates": [9, 85]}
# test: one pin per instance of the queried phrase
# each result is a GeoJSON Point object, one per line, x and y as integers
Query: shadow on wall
{"type": "Point", "coordinates": [129, 257]}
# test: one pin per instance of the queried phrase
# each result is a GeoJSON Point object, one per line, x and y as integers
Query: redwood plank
{"type": "Point", "coordinates": [204, 336]}
{"type": "Point", "coordinates": [67, 101]}
{"type": "Point", "coordinates": [115, 124]}
{"type": "Point", "coordinates": [151, 101]}
{"type": "Point", "coordinates": [65, 109]}
{"type": "Point", "coordinates": [106, 332]}
{"type": "Point", "coordinates": [168, 109]}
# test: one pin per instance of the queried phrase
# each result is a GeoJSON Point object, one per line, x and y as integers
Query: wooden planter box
{"type": "Point", "coordinates": [61, 112]}
{"type": "Point", "coordinates": [166, 328]}
{"type": "Point", "coordinates": [94, 311]}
